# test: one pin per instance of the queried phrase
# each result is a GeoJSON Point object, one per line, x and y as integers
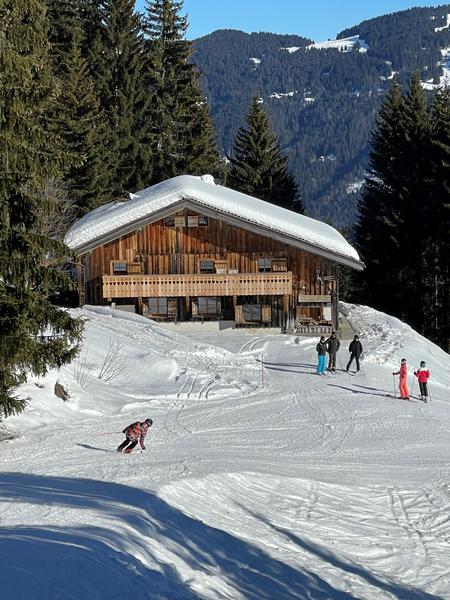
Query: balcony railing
{"type": "Point", "coordinates": [161, 286]}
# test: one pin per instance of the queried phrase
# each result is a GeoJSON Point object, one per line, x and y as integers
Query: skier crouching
{"type": "Point", "coordinates": [134, 433]}
{"type": "Point", "coordinates": [423, 374]}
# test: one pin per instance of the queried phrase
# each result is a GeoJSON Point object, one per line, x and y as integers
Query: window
{"type": "Point", "coordinates": [264, 265]}
{"type": "Point", "coordinates": [221, 266]}
{"type": "Point", "coordinates": [119, 268]}
{"type": "Point", "coordinates": [206, 266]}
{"type": "Point", "coordinates": [169, 222]}
{"type": "Point", "coordinates": [203, 221]}
{"type": "Point", "coordinates": [208, 306]}
{"type": "Point", "coordinates": [252, 312]}
{"type": "Point", "coordinates": [157, 306]}
{"type": "Point", "coordinates": [279, 265]}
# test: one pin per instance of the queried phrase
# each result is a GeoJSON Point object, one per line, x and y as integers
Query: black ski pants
{"type": "Point", "coordinates": [353, 356]}
{"type": "Point", "coordinates": [123, 445]}
{"type": "Point", "coordinates": [423, 389]}
{"type": "Point", "coordinates": [332, 360]}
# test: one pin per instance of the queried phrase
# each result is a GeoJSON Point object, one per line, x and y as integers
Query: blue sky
{"type": "Point", "coordinates": [316, 19]}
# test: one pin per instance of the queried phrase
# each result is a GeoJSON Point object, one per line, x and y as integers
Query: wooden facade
{"type": "Point", "coordinates": [191, 266]}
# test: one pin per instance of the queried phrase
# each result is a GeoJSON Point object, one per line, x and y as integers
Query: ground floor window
{"type": "Point", "coordinates": [252, 312]}
{"type": "Point", "coordinates": [208, 305]}
{"type": "Point", "coordinates": [158, 306]}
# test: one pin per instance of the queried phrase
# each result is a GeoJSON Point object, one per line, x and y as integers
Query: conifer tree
{"type": "Point", "coordinates": [114, 46]}
{"type": "Point", "coordinates": [83, 128]}
{"type": "Point", "coordinates": [437, 226]}
{"type": "Point", "coordinates": [415, 199]}
{"type": "Point", "coordinates": [403, 226]}
{"type": "Point", "coordinates": [181, 130]}
{"type": "Point", "coordinates": [64, 24]}
{"type": "Point", "coordinates": [34, 334]}
{"type": "Point", "coordinates": [259, 167]}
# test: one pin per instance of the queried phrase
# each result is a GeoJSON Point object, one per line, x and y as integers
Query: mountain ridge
{"type": "Point", "coordinates": [322, 100]}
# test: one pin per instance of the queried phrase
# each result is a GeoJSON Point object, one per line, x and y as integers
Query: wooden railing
{"type": "Point", "coordinates": [161, 286]}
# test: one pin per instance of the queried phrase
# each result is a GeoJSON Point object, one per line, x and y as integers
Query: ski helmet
{"type": "Point", "coordinates": [403, 360]}
{"type": "Point", "coordinates": [149, 422]}
{"type": "Point", "coordinates": [422, 363]}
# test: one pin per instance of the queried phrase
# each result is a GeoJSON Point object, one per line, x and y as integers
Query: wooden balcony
{"type": "Point", "coordinates": [170, 286]}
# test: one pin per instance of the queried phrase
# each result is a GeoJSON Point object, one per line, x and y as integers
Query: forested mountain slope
{"type": "Point", "coordinates": [322, 98]}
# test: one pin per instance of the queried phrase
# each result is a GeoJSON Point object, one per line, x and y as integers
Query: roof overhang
{"type": "Point", "coordinates": [249, 225]}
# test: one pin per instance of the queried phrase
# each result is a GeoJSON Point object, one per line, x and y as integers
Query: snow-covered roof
{"type": "Point", "coordinates": [113, 220]}
{"type": "Point", "coordinates": [343, 44]}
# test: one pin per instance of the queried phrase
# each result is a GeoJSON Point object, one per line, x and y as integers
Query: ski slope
{"type": "Point", "coordinates": [269, 483]}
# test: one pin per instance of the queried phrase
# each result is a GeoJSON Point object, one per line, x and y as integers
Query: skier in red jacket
{"type": "Point", "coordinates": [423, 375]}
{"type": "Point", "coordinates": [134, 433]}
{"type": "Point", "coordinates": [403, 383]}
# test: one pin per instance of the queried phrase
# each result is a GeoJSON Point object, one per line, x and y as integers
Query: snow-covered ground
{"type": "Point", "coordinates": [271, 484]}
{"type": "Point", "coordinates": [343, 44]}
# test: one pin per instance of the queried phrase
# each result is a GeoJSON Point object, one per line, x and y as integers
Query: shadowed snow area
{"type": "Point", "coordinates": [272, 483]}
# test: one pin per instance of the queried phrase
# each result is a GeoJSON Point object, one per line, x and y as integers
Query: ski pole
{"type": "Point", "coordinates": [393, 377]}
{"type": "Point", "coordinates": [107, 432]}
{"type": "Point", "coordinates": [262, 370]}
{"type": "Point", "coordinates": [412, 387]}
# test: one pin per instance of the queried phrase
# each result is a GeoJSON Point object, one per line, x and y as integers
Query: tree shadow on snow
{"type": "Point", "coordinates": [73, 558]}
{"type": "Point", "coordinates": [398, 591]}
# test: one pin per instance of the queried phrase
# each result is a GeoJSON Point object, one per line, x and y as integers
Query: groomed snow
{"type": "Point", "coordinates": [202, 191]}
{"type": "Point", "coordinates": [285, 486]}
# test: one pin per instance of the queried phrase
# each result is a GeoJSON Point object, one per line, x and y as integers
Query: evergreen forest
{"type": "Point", "coordinates": [322, 103]}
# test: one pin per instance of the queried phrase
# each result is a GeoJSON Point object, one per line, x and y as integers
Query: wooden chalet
{"type": "Point", "coordinates": [187, 249]}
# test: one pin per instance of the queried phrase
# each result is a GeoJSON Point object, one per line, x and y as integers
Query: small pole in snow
{"type": "Point", "coordinates": [262, 370]}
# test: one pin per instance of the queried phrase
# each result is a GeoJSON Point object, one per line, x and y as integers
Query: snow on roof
{"type": "Point", "coordinates": [109, 221]}
{"type": "Point", "coordinates": [343, 45]}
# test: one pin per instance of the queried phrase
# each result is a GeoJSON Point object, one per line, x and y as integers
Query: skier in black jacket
{"type": "Point", "coordinates": [333, 345]}
{"type": "Point", "coordinates": [321, 350]}
{"type": "Point", "coordinates": [355, 350]}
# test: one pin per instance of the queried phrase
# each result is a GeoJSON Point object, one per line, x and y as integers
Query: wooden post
{"type": "Point", "coordinates": [81, 282]}
{"type": "Point", "coordinates": [286, 305]}
{"type": "Point", "coordinates": [139, 305]}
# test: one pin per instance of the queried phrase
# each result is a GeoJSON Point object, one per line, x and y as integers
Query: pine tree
{"type": "Point", "coordinates": [64, 23]}
{"type": "Point", "coordinates": [403, 227]}
{"type": "Point", "coordinates": [181, 130]}
{"type": "Point", "coordinates": [83, 127]}
{"type": "Point", "coordinates": [113, 44]}
{"type": "Point", "coordinates": [415, 197]}
{"type": "Point", "coordinates": [34, 334]}
{"type": "Point", "coordinates": [381, 219]}
{"type": "Point", "coordinates": [437, 226]}
{"type": "Point", "coordinates": [259, 167]}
